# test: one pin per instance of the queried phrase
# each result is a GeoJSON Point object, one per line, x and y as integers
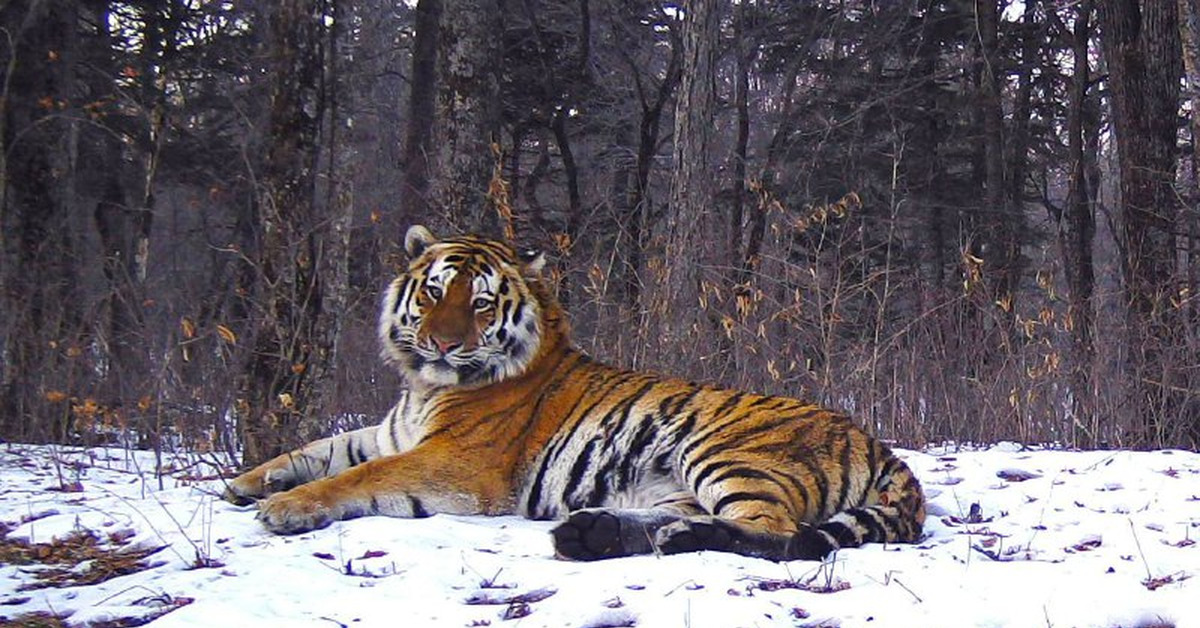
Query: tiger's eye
{"type": "Point", "coordinates": [433, 292]}
{"type": "Point", "coordinates": [481, 304]}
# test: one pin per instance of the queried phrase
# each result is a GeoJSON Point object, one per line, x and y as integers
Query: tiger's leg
{"type": "Point", "coordinates": [318, 459]}
{"type": "Point", "coordinates": [884, 504]}
{"type": "Point", "coordinates": [891, 511]}
{"type": "Point", "coordinates": [416, 483]}
{"type": "Point", "coordinates": [597, 533]}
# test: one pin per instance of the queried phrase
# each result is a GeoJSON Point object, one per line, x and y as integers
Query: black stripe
{"type": "Point", "coordinates": [670, 449]}
{"type": "Point", "coordinates": [847, 470]}
{"type": "Point", "coordinates": [418, 509]}
{"type": "Point", "coordinates": [600, 482]}
{"type": "Point", "coordinates": [729, 403]}
{"type": "Point", "coordinates": [865, 518]}
{"type": "Point", "coordinates": [645, 434]}
{"type": "Point", "coordinates": [350, 452]}
{"type": "Point", "coordinates": [889, 523]}
{"type": "Point", "coordinates": [772, 403]}
{"type": "Point", "coordinates": [575, 477]}
{"type": "Point", "coordinates": [609, 434]}
{"type": "Point", "coordinates": [664, 462]}
{"type": "Point", "coordinates": [744, 473]}
{"type": "Point", "coordinates": [798, 490]}
{"type": "Point", "coordinates": [680, 400]}
{"type": "Point", "coordinates": [841, 533]}
{"type": "Point", "coordinates": [552, 451]}
{"type": "Point", "coordinates": [562, 372]}
{"type": "Point", "coordinates": [736, 440]}
{"type": "Point", "coordinates": [872, 472]}
{"type": "Point", "coordinates": [714, 425]}
{"type": "Point", "coordinates": [717, 425]}
{"type": "Point", "coordinates": [799, 454]}
{"type": "Point", "coordinates": [742, 496]}
{"type": "Point", "coordinates": [708, 470]}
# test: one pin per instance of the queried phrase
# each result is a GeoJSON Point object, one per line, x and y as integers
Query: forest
{"type": "Point", "coordinates": [958, 220]}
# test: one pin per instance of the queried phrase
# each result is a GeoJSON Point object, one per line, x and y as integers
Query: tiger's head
{"type": "Point", "coordinates": [468, 311]}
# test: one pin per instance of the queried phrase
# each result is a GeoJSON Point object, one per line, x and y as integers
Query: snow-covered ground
{"type": "Point", "coordinates": [1014, 538]}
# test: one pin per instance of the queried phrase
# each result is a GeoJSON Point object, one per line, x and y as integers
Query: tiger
{"type": "Point", "coordinates": [502, 415]}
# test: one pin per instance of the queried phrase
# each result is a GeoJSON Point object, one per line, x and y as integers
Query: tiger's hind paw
{"type": "Point", "coordinates": [596, 533]}
{"type": "Point", "coordinates": [694, 535]}
{"type": "Point", "coordinates": [723, 535]}
{"type": "Point", "coordinates": [589, 535]}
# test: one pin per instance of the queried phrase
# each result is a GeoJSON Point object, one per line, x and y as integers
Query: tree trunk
{"type": "Point", "coordinates": [636, 221]}
{"type": "Point", "coordinates": [1077, 226]}
{"type": "Point", "coordinates": [41, 320]}
{"type": "Point", "coordinates": [742, 259]}
{"type": "Point", "coordinates": [468, 112]}
{"type": "Point", "coordinates": [415, 202]}
{"type": "Point", "coordinates": [691, 229]}
{"type": "Point", "coordinates": [995, 224]}
{"type": "Point", "coordinates": [288, 367]}
{"type": "Point", "coordinates": [1189, 15]}
{"type": "Point", "coordinates": [1142, 46]}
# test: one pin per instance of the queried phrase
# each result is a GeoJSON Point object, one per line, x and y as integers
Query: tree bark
{"type": "Point", "coordinates": [996, 221]}
{"type": "Point", "coordinates": [742, 258]}
{"type": "Point", "coordinates": [1142, 46]}
{"type": "Point", "coordinates": [468, 112]}
{"type": "Point", "coordinates": [692, 228]}
{"type": "Point", "coordinates": [636, 221]}
{"type": "Point", "coordinates": [415, 201]}
{"type": "Point", "coordinates": [41, 326]}
{"type": "Point", "coordinates": [1077, 224]}
{"type": "Point", "coordinates": [289, 364]}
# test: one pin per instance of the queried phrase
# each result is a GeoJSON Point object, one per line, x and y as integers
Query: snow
{"type": "Point", "coordinates": [1015, 537]}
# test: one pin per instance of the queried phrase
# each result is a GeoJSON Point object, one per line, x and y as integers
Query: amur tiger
{"type": "Point", "coordinates": [504, 416]}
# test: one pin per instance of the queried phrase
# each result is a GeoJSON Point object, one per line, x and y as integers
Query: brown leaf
{"type": "Point", "coordinates": [227, 334]}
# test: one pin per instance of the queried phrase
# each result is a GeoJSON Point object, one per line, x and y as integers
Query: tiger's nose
{"type": "Point", "coordinates": [444, 345]}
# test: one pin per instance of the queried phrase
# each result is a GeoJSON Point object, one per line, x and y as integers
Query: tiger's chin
{"type": "Point", "coordinates": [438, 374]}
{"type": "Point", "coordinates": [442, 374]}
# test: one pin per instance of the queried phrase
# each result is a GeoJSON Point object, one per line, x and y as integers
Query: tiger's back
{"type": "Point", "coordinates": [504, 415]}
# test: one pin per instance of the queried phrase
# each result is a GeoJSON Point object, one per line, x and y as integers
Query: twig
{"type": "Point", "coordinates": [1138, 542]}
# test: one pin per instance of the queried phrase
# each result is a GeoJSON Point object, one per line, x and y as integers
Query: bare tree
{"type": "Point", "coordinates": [1142, 46]}
{"type": "Point", "coordinates": [691, 222]}
{"type": "Point", "coordinates": [285, 384]}
{"type": "Point", "coordinates": [414, 199]}
{"type": "Point", "coordinates": [42, 331]}
{"type": "Point", "coordinates": [467, 121]}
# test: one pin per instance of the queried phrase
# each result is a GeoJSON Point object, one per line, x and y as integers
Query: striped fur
{"type": "Point", "coordinates": [502, 415]}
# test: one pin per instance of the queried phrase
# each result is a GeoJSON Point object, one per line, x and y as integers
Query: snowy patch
{"type": "Point", "coordinates": [1098, 538]}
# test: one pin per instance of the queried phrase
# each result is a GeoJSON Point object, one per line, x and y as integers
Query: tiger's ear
{"type": "Point", "coordinates": [532, 262]}
{"type": "Point", "coordinates": [417, 240]}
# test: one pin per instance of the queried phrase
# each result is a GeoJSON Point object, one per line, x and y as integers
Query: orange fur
{"type": "Point", "coordinates": [633, 461]}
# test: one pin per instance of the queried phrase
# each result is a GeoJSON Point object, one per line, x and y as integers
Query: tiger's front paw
{"type": "Point", "coordinates": [256, 484]}
{"type": "Point", "coordinates": [294, 512]}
